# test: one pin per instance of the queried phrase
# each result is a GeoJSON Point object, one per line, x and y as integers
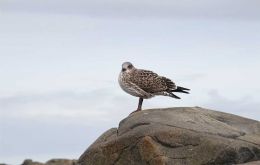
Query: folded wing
{"type": "Point", "coordinates": [152, 82]}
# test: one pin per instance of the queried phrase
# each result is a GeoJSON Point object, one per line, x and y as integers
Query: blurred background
{"type": "Point", "coordinates": [60, 60]}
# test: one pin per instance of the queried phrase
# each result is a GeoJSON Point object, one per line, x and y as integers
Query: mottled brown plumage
{"type": "Point", "coordinates": [150, 81]}
{"type": "Point", "coordinates": [146, 84]}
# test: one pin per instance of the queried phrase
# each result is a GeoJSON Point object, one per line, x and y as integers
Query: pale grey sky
{"type": "Point", "coordinates": [59, 62]}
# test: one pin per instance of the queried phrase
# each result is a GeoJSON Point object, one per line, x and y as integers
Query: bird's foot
{"type": "Point", "coordinates": [135, 111]}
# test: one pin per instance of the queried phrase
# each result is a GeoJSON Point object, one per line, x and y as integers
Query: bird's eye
{"type": "Point", "coordinates": [130, 66]}
{"type": "Point", "coordinates": [123, 69]}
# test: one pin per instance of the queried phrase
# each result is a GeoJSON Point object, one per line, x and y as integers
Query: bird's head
{"type": "Point", "coordinates": [127, 67]}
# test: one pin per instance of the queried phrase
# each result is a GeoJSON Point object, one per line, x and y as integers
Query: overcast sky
{"type": "Point", "coordinates": [60, 60]}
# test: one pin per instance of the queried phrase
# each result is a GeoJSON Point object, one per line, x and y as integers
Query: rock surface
{"type": "Point", "coordinates": [251, 163]}
{"type": "Point", "coordinates": [51, 162]}
{"type": "Point", "coordinates": [179, 136]}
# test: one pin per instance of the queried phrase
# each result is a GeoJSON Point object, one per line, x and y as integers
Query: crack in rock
{"type": "Point", "coordinates": [138, 125]}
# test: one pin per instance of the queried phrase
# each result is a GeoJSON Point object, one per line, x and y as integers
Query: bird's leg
{"type": "Point", "coordinates": [139, 105]}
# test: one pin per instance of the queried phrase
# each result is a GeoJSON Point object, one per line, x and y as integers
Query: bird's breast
{"type": "Point", "coordinates": [124, 82]}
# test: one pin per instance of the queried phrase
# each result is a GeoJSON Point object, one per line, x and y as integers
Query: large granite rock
{"type": "Point", "coordinates": [178, 136]}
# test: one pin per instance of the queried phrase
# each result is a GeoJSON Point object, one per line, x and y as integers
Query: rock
{"type": "Point", "coordinates": [61, 162]}
{"type": "Point", "coordinates": [178, 136]}
{"type": "Point", "coordinates": [51, 162]}
{"type": "Point", "coordinates": [31, 162]}
{"type": "Point", "coordinates": [251, 163]}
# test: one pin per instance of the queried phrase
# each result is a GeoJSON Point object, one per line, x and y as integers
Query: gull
{"type": "Point", "coordinates": [146, 84]}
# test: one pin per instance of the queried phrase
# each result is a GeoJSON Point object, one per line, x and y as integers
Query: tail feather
{"type": "Point", "coordinates": [173, 95]}
{"type": "Point", "coordinates": [181, 90]}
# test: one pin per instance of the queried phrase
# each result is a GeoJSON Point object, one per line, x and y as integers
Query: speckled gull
{"type": "Point", "coordinates": [146, 84]}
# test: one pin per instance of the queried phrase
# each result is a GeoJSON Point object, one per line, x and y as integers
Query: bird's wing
{"type": "Point", "coordinates": [151, 82]}
{"type": "Point", "coordinates": [140, 91]}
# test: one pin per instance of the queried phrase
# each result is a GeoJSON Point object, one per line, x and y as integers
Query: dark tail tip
{"type": "Point", "coordinates": [174, 96]}
{"type": "Point", "coordinates": [181, 90]}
